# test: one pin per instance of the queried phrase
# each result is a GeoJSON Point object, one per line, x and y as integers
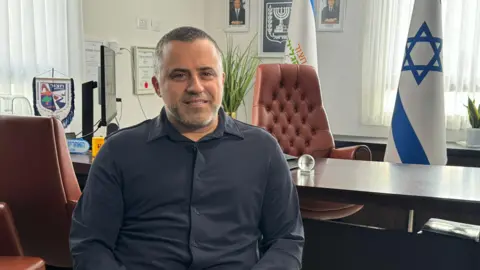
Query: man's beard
{"type": "Point", "coordinates": [193, 124]}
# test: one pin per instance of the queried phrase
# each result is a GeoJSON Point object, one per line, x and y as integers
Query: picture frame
{"type": "Point", "coordinates": [237, 20]}
{"type": "Point", "coordinates": [330, 15]}
{"type": "Point", "coordinates": [143, 64]}
{"type": "Point", "coordinates": [274, 17]}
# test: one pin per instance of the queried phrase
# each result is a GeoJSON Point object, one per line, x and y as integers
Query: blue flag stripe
{"type": "Point", "coordinates": [408, 146]}
{"type": "Point", "coordinates": [312, 2]}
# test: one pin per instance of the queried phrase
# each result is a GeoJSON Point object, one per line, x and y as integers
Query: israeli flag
{"type": "Point", "coordinates": [301, 46]}
{"type": "Point", "coordinates": [417, 134]}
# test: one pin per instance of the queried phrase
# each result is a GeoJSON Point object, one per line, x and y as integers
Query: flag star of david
{"type": "Point", "coordinates": [424, 35]}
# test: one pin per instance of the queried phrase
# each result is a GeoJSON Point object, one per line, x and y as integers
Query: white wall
{"type": "Point", "coordinates": [339, 54]}
{"type": "Point", "coordinates": [115, 20]}
{"type": "Point", "coordinates": [215, 23]}
{"type": "Point", "coordinates": [339, 59]}
{"type": "Point", "coordinates": [340, 67]}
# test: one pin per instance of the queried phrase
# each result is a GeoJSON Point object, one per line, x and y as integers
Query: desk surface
{"type": "Point", "coordinates": [81, 163]}
{"type": "Point", "coordinates": [446, 188]}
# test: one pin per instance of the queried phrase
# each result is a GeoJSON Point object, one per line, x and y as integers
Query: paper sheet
{"type": "Point", "coordinates": [92, 59]}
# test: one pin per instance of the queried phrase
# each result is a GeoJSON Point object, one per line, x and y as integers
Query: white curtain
{"type": "Point", "coordinates": [36, 36]}
{"type": "Point", "coordinates": [385, 31]}
{"type": "Point", "coordinates": [461, 58]}
{"type": "Point", "coordinates": [385, 35]}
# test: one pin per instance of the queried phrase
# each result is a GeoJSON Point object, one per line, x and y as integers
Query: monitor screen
{"type": "Point", "coordinates": [108, 93]}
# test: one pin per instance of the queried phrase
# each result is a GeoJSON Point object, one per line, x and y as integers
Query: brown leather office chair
{"type": "Point", "coordinates": [39, 185]}
{"type": "Point", "coordinates": [11, 253]}
{"type": "Point", "coordinates": [288, 104]}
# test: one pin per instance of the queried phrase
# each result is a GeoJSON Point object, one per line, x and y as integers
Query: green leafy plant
{"type": "Point", "coordinates": [240, 68]}
{"type": "Point", "coordinates": [473, 113]}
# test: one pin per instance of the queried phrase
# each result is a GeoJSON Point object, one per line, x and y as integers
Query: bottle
{"type": "Point", "coordinates": [97, 143]}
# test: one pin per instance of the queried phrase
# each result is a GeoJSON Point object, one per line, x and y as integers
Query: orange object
{"type": "Point", "coordinates": [97, 143]}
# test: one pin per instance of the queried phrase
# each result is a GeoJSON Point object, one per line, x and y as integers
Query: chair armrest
{"type": "Point", "coordinates": [71, 204]}
{"type": "Point", "coordinates": [21, 263]}
{"type": "Point", "coordinates": [357, 152]}
{"type": "Point", "coordinates": [9, 240]}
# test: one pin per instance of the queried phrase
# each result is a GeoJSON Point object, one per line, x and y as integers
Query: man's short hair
{"type": "Point", "coordinates": [184, 34]}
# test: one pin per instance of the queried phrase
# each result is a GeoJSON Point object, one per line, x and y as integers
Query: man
{"type": "Point", "coordinates": [192, 188]}
{"type": "Point", "coordinates": [237, 13]}
{"type": "Point", "coordinates": [330, 13]}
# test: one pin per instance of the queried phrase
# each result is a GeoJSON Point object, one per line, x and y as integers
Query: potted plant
{"type": "Point", "coordinates": [240, 68]}
{"type": "Point", "coordinates": [473, 133]}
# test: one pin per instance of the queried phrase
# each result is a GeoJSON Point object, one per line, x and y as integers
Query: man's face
{"type": "Point", "coordinates": [236, 3]}
{"type": "Point", "coordinates": [191, 82]}
{"type": "Point", "coordinates": [331, 2]}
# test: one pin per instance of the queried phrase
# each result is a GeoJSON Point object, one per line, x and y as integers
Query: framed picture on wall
{"type": "Point", "coordinates": [330, 15]}
{"type": "Point", "coordinates": [273, 27]}
{"type": "Point", "coordinates": [237, 15]}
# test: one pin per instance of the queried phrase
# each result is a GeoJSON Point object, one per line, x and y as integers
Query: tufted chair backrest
{"type": "Point", "coordinates": [287, 103]}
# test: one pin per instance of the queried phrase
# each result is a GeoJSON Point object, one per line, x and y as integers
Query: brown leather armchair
{"type": "Point", "coordinates": [39, 185]}
{"type": "Point", "coordinates": [11, 253]}
{"type": "Point", "coordinates": [287, 103]}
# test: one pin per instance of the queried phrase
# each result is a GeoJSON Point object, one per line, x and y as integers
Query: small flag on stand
{"type": "Point", "coordinates": [417, 134]}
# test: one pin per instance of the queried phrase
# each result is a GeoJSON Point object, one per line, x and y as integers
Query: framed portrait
{"type": "Point", "coordinates": [330, 15]}
{"type": "Point", "coordinates": [237, 15]}
{"type": "Point", "coordinates": [273, 27]}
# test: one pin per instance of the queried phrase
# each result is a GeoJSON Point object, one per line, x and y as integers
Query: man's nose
{"type": "Point", "coordinates": [196, 84]}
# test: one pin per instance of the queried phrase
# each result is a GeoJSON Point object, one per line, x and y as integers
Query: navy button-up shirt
{"type": "Point", "coordinates": [157, 200]}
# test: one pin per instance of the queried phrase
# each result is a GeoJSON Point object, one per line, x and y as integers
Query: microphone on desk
{"type": "Point", "coordinates": [111, 128]}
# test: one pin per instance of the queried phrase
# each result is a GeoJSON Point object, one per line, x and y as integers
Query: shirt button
{"type": "Point", "coordinates": [194, 243]}
{"type": "Point", "coordinates": [196, 211]}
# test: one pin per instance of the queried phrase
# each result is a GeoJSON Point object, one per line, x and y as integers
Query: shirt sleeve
{"type": "Point", "coordinates": [281, 222]}
{"type": "Point", "coordinates": [98, 216]}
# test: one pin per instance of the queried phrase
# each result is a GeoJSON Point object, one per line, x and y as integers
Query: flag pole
{"type": "Point", "coordinates": [418, 133]}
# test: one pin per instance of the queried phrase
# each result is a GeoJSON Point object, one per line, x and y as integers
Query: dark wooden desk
{"type": "Point", "coordinates": [341, 246]}
{"type": "Point", "coordinates": [442, 188]}
{"type": "Point", "coordinates": [446, 188]}
{"type": "Point", "coordinates": [81, 163]}
{"type": "Point", "coordinates": [408, 186]}
{"type": "Point", "coordinates": [387, 190]}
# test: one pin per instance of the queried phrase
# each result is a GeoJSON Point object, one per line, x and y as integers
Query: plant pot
{"type": "Point", "coordinates": [232, 114]}
{"type": "Point", "coordinates": [473, 137]}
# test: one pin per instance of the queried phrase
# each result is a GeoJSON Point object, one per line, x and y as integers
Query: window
{"type": "Point", "coordinates": [36, 36]}
{"type": "Point", "coordinates": [386, 29]}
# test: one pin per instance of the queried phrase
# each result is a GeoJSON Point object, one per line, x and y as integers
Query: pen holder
{"type": "Point", "coordinates": [97, 143]}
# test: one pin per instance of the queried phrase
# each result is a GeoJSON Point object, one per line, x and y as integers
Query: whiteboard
{"type": "Point", "coordinates": [143, 70]}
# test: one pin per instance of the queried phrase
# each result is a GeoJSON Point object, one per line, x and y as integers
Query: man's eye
{"type": "Point", "coordinates": [178, 76]}
{"type": "Point", "coordinates": [207, 74]}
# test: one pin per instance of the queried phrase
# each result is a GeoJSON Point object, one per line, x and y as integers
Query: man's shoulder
{"type": "Point", "coordinates": [135, 133]}
{"type": "Point", "coordinates": [255, 133]}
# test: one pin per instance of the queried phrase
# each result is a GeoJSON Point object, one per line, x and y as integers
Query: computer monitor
{"type": "Point", "coordinates": [107, 86]}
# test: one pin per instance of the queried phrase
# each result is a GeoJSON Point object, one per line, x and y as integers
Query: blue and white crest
{"type": "Point", "coordinates": [54, 97]}
{"type": "Point", "coordinates": [277, 15]}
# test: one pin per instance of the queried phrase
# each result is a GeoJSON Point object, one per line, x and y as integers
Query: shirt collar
{"type": "Point", "coordinates": [161, 127]}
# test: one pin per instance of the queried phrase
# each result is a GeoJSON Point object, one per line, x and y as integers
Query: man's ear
{"type": "Point", "coordinates": [223, 78]}
{"type": "Point", "coordinates": [156, 86]}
